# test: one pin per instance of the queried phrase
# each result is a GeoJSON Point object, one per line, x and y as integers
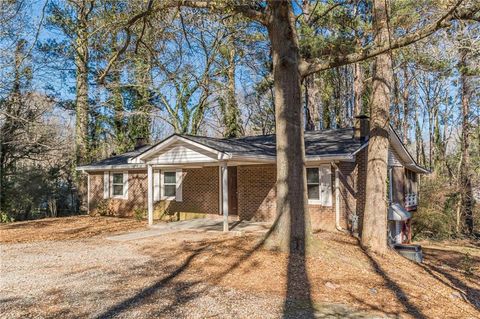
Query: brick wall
{"type": "Point", "coordinates": [199, 193]}
{"type": "Point", "coordinates": [256, 192]}
{"type": "Point", "coordinates": [137, 194]}
{"type": "Point", "coordinates": [256, 196]}
{"type": "Point", "coordinates": [361, 177]}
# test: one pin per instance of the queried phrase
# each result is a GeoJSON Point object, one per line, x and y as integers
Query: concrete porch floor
{"type": "Point", "coordinates": [196, 225]}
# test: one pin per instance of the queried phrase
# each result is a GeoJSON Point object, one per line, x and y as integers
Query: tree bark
{"type": "Point", "coordinates": [374, 234]}
{"type": "Point", "coordinates": [119, 128]}
{"type": "Point", "coordinates": [466, 193]}
{"type": "Point", "coordinates": [358, 88]}
{"type": "Point", "coordinates": [82, 107]}
{"type": "Point", "coordinates": [311, 107]}
{"type": "Point", "coordinates": [291, 231]}
{"type": "Point", "coordinates": [232, 113]}
{"type": "Point", "coordinates": [406, 111]}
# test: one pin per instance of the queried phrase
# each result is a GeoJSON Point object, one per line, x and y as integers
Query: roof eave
{"type": "Point", "coordinates": [140, 158]}
{"type": "Point", "coordinates": [329, 158]}
{"type": "Point", "coordinates": [92, 168]}
{"type": "Point", "coordinates": [410, 163]}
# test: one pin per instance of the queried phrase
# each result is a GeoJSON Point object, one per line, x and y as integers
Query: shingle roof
{"type": "Point", "coordinates": [317, 143]}
{"type": "Point", "coordinates": [121, 159]}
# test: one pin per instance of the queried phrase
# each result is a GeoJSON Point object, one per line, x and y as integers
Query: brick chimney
{"type": "Point", "coordinates": [362, 127]}
{"type": "Point", "coordinates": [140, 142]}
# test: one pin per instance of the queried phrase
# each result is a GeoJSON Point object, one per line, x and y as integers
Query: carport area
{"type": "Point", "coordinates": [196, 225]}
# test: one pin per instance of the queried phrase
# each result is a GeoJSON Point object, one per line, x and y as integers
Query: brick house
{"type": "Point", "coordinates": [187, 176]}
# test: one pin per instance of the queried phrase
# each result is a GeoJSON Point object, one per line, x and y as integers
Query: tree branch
{"type": "Point", "coordinates": [244, 9]}
{"type": "Point", "coordinates": [128, 38]}
{"type": "Point", "coordinates": [316, 65]}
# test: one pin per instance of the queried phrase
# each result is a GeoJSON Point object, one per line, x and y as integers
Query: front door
{"type": "Point", "coordinates": [232, 190]}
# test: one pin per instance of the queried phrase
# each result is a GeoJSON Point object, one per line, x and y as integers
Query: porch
{"type": "Point", "coordinates": [205, 225]}
{"type": "Point", "coordinates": [186, 175]}
{"type": "Point", "coordinates": [200, 196]}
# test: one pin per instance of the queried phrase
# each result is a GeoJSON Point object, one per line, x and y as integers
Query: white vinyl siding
{"type": "Point", "coordinates": [319, 185]}
{"type": "Point", "coordinates": [182, 153]}
{"type": "Point", "coordinates": [393, 158]}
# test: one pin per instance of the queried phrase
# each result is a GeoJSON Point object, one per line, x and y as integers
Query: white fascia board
{"type": "Point", "coordinates": [173, 139]}
{"type": "Point", "coordinates": [406, 157]}
{"type": "Point", "coordinates": [253, 158]}
{"type": "Point", "coordinates": [89, 168]}
{"type": "Point", "coordinates": [330, 158]}
{"type": "Point", "coordinates": [272, 159]}
{"type": "Point", "coordinates": [224, 156]}
{"type": "Point", "coordinates": [417, 169]}
{"type": "Point", "coordinates": [360, 148]}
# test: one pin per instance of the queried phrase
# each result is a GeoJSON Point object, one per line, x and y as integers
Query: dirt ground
{"type": "Point", "coordinates": [203, 275]}
{"type": "Point", "coordinates": [65, 228]}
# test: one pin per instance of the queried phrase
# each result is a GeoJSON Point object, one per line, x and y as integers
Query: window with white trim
{"type": "Point", "coordinates": [169, 184]}
{"type": "Point", "coordinates": [117, 184]}
{"type": "Point", "coordinates": [319, 185]}
{"type": "Point", "coordinates": [313, 183]}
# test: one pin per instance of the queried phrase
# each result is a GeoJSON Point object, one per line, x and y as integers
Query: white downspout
{"type": "Point", "coordinates": [337, 200]}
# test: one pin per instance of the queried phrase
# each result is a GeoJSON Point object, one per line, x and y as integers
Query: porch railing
{"type": "Point", "coordinates": [411, 200]}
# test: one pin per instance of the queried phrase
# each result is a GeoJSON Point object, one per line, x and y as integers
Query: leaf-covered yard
{"type": "Point", "coordinates": [47, 271]}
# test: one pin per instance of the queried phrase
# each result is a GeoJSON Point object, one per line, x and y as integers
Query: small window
{"type": "Point", "coordinates": [319, 185]}
{"type": "Point", "coordinates": [117, 184]}
{"type": "Point", "coordinates": [313, 183]}
{"type": "Point", "coordinates": [169, 184]}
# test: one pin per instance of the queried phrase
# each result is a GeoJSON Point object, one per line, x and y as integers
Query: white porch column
{"type": "Point", "coordinates": [150, 194]}
{"type": "Point", "coordinates": [398, 232]}
{"type": "Point", "coordinates": [224, 194]}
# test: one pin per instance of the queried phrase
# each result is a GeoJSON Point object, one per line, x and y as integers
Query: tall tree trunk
{"type": "Point", "coordinates": [420, 149]}
{"type": "Point", "coordinates": [82, 105]}
{"type": "Point", "coordinates": [232, 113]}
{"type": "Point", "coordinates": [118, 113]}
{"type": "Point", "coordinates": [142, 120]}
{"type": "Point", "coordinates": [374, 234]}
{"type": "Point", "coordinates": [395, 120]}
{"type": "Point", "coordinates": [311, 107]}
{"type": "Point", "coordinates": [358, 88]}
{"type": "Point", "coordinates": [466, 194]}
{"type": "Point", "coordinates": [291, 231]}
{"type": "Point", "coordinates": [337, 97]}
{"type": "Point", "coordinates": [406, 111]}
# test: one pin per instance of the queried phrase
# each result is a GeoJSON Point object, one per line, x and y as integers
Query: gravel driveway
{"type": "Point", "coordinates": [98, 278]}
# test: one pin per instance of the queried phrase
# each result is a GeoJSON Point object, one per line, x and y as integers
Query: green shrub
{"type": "Point", "coordinates": [103, 208]}
{"type": "Point", "coordinates": [436, 217]}
{"type": "Point", "coordinates": [5, 218]}
{"type": "Point", "coordinates": [140, 213]}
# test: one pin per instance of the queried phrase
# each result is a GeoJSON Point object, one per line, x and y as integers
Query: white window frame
{"type": "Point", "coordinates": [327, 202]}
{"type": "Point", "coordinates": [108, 185]}
{"type": "Point", "coordinates": [178, 185]}
{"type": "Point", "coordinates": [319, 200]}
